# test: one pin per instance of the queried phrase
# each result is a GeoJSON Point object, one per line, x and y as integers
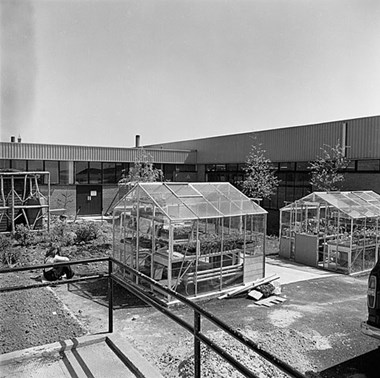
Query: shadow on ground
{"type": "Point", "coordinates": [365, 366]}
{"type": "Point", "coordinates": [97, 291]}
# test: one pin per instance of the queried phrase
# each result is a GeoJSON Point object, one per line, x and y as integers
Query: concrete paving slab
{"type": "Point", "coordinates": [89, 356]}
{"type": "Point", "coordinates": [290, 272]}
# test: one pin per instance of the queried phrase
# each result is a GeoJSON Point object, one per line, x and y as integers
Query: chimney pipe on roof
{"type": "Point", "coordinates": [13, 139]}
{"type": "Point", "coordinates": [137, 141]}
{"type": "Point", "coordinates": [19, 139]}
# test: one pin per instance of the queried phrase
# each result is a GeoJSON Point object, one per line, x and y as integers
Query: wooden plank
{"type": "Point", "coordinates": [255, 294]}
{"type": "Point", "coordinates": [250, 286]}
{"type": "Point", "coordinates": [270, 301]}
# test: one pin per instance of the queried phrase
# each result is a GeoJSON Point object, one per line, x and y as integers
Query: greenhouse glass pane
{"type": "Point", "coordinates": [201, 207]}
{"type": "Point", "coordinates": [247, 206]}
{"type": "Point", "coordinates": [219, 200]}
{"type": "Point", "coordinates": [182, 190]}
{"type": "Point", "coordinates": [213, 192]}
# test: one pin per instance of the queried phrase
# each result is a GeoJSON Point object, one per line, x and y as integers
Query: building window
{"type": "Point", "coordinates": [35, 165]}
{"type": "Point", "coordinates": [351, 166]}
{"type": "Point", "coordinates": [232, 167]}
{"type": "Point", "coordinates": [122, 169]}
{"type": "Point", "coordinates": [95, 173]}
{"type": "Point", "coordinates": [302, 166]}
{"type": "Point", "coordinates": [53, 168]}
{"type": "Point", "coordinates": [66, 172]}
{"type": "Point", "coordinates": [5, 164]}
{"type": "Point", "coordinates": [169, 170]}
{"type": "Point", "coordinates": [109, 173]}
{"type": "Point", "coordinates": [20, 165]}
{"type": "Point", "coordinates": [302, 179]}
{"type": "Point", "coordinates": [81, 172]}
{"type": "Point", "coordinates": [186, 168]}
{"type": "Point", "coordinates": [287, 166]}
{"type": "Point", "coordinates": [368, 165]}
{"type": "Point", "coordinates": [220, 167]}
{"type": "Point", "coordinates": [210, 168]}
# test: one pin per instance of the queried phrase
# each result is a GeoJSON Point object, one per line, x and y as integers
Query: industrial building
{"type": "Point", "coordinates": [84, 178]}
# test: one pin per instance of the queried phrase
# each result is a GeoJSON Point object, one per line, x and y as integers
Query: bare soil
{"type": "Point", "coordinates": [32, 317]}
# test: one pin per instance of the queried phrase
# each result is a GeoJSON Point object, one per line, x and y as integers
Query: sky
{"type": "Point", "coordinates": [99, 72]}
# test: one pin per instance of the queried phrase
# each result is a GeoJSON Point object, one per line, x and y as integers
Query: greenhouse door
{"type": "Point", "coordinates": [306, 250]}
{"type": "Point", "coordinates": [89, 199]}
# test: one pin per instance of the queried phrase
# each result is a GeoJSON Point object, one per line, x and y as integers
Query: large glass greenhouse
{"type": "Point", "coordinates": [337, 231]}
{"type": "Point", "coordinates": [196, 238]}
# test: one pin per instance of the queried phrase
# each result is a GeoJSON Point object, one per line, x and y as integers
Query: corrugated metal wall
{"type": "Point", "coordinates": [300, 143]}
{"type": "Point", "coordinates": [29, 151]}
{"type": "Point", "coordinates": [363, 138]}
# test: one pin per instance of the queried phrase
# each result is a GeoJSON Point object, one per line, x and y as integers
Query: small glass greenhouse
{"type": "Point", "coordinates": [196, 238]}
{"type": "Point", "coordinates": [337, 231]}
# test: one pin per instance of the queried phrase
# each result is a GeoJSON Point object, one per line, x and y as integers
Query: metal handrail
{"type": "Point", "coordinates": [198, 311]}
{"type": "Point", "coordinates": [195, 329]}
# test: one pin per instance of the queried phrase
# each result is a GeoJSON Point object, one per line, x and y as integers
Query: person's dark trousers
{"type": "Point", "coordinates": [57, 272]}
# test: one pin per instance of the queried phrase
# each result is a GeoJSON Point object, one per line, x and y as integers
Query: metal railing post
{"type": "Point", "coordinates": [110, 297]}
{"type": "Point", "coordinates": [197, 345]}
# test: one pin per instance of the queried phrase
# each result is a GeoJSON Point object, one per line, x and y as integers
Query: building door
{"type": "Point", "coordinates": [89, 199]}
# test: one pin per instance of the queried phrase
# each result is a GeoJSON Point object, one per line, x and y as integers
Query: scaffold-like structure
{"type": "Point", "coordinates": [22, 202]}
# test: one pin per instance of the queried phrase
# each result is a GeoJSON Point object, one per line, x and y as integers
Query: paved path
{"type": "Point", "coordinates": [290, 272]}
{"type": "Point", "coordinates": [89, 356]}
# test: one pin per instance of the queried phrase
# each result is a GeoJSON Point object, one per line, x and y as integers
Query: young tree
{"type": "Point", "coordinates": [260, 179]}
{"type": "Point", "coordinates": [325, 170]}
{"type": "Point", "coordinates": [142, 170]}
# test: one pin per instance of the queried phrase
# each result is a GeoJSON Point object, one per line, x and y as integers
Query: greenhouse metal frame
{"type": "Point", "coordinates": [196, 238]}
{"type": "Point", "coordinates": [337, 231]}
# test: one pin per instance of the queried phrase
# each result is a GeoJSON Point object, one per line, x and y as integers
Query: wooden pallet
{"type": "Point", "coordinates": [270, 301]}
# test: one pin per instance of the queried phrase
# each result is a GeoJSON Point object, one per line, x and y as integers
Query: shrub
{"type": "Point", "coordinates": [86, 232]}
{"type": "Point", "coordinates": [62, 234]}
{"type": "Point", "coordinates": [9, 256]}
{"type": "Point", "coordinates": [24, 235]}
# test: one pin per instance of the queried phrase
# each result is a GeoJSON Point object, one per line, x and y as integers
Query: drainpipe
{"type": "Point", "coordinates": [344, 138]}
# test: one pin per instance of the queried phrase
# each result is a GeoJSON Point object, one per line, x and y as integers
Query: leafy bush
{"type": "Point", "coordinates": [86, 232]}
{"type": "Point", "coordinates": [24, 236]}
{"type": "Point", "coordinates": [61, 234]}
{"type": "Point", "coordinates": [9, 256]}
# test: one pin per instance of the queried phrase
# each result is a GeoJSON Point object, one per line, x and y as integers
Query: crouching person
{"type": "Point", "coordinates": [56, 272]}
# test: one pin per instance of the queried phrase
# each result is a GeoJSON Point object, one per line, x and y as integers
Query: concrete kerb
{"type": "Point", "coordinates": [50, 349]}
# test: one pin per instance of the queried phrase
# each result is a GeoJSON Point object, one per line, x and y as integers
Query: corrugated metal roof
{"type": "Point", "coordinates": [298, 143]}
{"type": "Point", "coordinates": [29, 151]}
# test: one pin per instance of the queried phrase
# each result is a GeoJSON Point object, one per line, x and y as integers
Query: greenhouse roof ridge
{"type": "Point", "coordinates": [181, 201]}
{"type": "Point", "coordinates": [355, 204]}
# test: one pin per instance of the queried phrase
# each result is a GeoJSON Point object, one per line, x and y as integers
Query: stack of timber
{"type": "Point", "coordinates": [249, 286]}
{"type": "Point", "coordinates": [268, 302]}
{"type": "Point", "coordinates": [252, 290]}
